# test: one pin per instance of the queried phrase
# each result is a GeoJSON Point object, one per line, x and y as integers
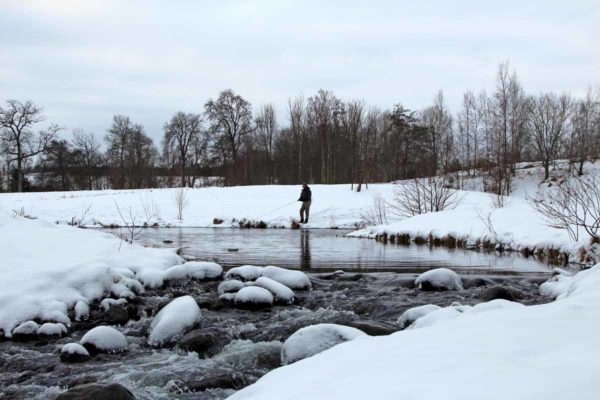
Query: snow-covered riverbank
{"type": "Point", "coordinates": [544, 352]}
{"type": "Point", "coordinates": [46, 269]}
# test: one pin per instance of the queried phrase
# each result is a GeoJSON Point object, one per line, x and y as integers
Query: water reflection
{"type": "Point", "coordinates": [305, 249]}
{"type": "Point", "coordinates": [327, 250]}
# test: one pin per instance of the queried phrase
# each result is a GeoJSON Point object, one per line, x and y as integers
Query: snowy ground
{"type": "Point", "coordinates": [544, 352]}
{"type": "Point", "coordinates": [47, 268]}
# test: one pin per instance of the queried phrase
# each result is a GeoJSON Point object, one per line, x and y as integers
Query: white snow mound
{"type": "Point", "coordinates": [105, 338]}
{"type": "Point", "coordinates": [244, 273]}
{"type": "Point", "coordinates": [194, 270]}
{"type": "Point", "coordinates": [26, 328]}
{"type": "Point", "coordinates": [152, 279]}
{"type": "Point", "coordinates": [439, 279]}
{"type": "Point", "coordinates": [52, 329]}
{"type": "Point", "coordinates": [174, 320]}
{"type": "Point", "coordinates": [230, 286]}
{"type": "Point", "coordinates": [313, 339]}
{"type": "Point", "coordinates": [290, 278]}
{"type": "Point", "coordinates": [281, 292]}
{"type": "Point", "coordinates": [74, 348]}
{"type": "Point", "coordinates": [253, 295]}
{"type": "Point", "coordinates": [412, 314]}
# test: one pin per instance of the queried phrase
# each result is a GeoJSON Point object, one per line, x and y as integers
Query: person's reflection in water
{"type": "Point", "coordinates": [305, 249]}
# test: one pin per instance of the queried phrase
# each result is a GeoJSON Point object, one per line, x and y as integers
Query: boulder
{"type": "Point", "coordinates": [373, 328]}
{"type": "Point", "coordinates": [253, 297]}
{"type": "Point", "coordinates": [97, 391]}
{"type": "Point", "coordinates": [26, 331]}
{"type": "Point", "coordinates": [412, 314]}
{"type": "Point", "coordinates": [439, 279]}
{"type": "Point", "coordinates": [206, 341]}
{"type": "Point", "coordinates": [104, 339]}
{"type": "Point", "coordinates": [52, 329]}
{"type": "Point", "coordinates": [173, 321]}
{"type": "Point", "coordinates": [222, 380]}
{"type": "Point", "coordinates": [296, 280]}
{"type": "Point", "coordinates": [281, 293]}
{"type": "Point", "coordinates": [230, 286]}
{"type": "Point", "coordinates": [74, 352]}
{"type": "Point", "coordinates": [500, 292]}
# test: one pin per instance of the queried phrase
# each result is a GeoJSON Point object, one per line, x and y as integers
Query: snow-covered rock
{"type": "Point", "coordinates": [26, 330]}
{"type": "Point", "coordinates": [494, 305]}
{"type": "Point", "coordinates": [253, 296]}
{"type": "Point", "coordinates": [152, 279]}
{"type": "Point", "coordinates": [52, 329]}
{"type": "Point", "coordinates": [228, 297]}
{"type": "Point", "coordinates": [244, 273]}
{"type": "Point", "coordinates": [436, 316]}
{"type": "Point", "coordinates": [82, 310]}
{"type": "Point", "coordinates": [120, 290]}
{"type": "Point", "coordinates": [439, 279]}
{"type": "Point", "coordinates": [104, 339]}
{"type": "Point", "coordinates": [174, 320]}
{"type": "Point", "coordinates": [74, 352]}
{"type": "Point", "coordinates": [293, 279]}
{"type": "Point", "coordinates": [412, 314]}
{"type": "Point", "coordinates": [107, 303]}
{"type": "Point", "coordinates": [313, 339]}
{"type": "Point", "coordinates": [230, 286]}
{"type": "Point", "coordinates": [194, 270]}
{"type": "Point", "coordinates": [281, 292]}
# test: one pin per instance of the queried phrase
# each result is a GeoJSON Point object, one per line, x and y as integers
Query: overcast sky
{"type": "Point", "coordinates": [85, 61]}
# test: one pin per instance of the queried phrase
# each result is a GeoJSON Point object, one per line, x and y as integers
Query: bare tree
{"type": "Point", "coordinates": [585, 129]}
{"type": "Point", "coordinates": [377, 214]}
{"type": "Point", "coordinates": [88, 149]}
{"type": "Point", "coordinates": [180, 134]}
{"type": "Point", "coordinates": [438, 121]}
{"type": "Point", "coordinates": [548, 122]}
{"type": "Point", "coordinates": [573, 205]}
{"type": "Point", "coordinates": [267, 130]}
{"type": "Point", "coordinates": [421, 196]}
{"type": "Point", "coordinates": [17, 139]}
{"type": "Point", "coordinates": [130, 222]}
{"type": "Point", "coordinates": [181, 202]}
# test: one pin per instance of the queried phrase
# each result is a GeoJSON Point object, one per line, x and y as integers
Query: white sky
{"type": "Point", "coordinates": [84, 61]}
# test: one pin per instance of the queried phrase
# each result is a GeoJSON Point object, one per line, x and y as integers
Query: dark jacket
{"type": "Point", "coordinates": [305, 195]}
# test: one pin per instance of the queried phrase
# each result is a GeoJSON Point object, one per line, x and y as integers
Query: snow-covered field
{"type": "Point", "coordinates": [541, 352]}
{"type": "Point", "coordinates": [332, 206]}
{"type": "Point", "coordinates": [46, 269]}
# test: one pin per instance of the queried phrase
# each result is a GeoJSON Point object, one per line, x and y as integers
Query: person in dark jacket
{"type": "Point", "coordinates": [306, 199]}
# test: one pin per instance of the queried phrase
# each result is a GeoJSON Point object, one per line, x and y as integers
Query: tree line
{"type": "Point", "coordinates": [319, 139]}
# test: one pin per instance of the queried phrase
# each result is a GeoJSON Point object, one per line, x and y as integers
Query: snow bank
{"type": "Point", "coordinates": [174, 320]}
{"type": "Point", "coordinates": [290, 278]}
{"type": "Point", "coordinates": [104, 339]}
{"type": "Point", "coordinates": [439, 279]}
{"type": "Point", "coordinates": [281, 292]}
{"type": "Point", "coordinates": [46, 270]}
{"type": "Point", "coordinates": [547, 351]}
{"type": "Point", "coordinates": [313, 339]}
{"type": "Point", "coordinates": [253, 296]}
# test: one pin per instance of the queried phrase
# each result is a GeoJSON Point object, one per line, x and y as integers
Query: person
{"type": "Point", "coordinates": [306, 199]}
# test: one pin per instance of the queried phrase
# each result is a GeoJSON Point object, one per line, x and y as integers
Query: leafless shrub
{"type": "Point", "coordinates": [498, 201]}
{"type": "Point", "coordinates": [130, 221]}
{"type": "Point", "coordinates": [151, 210]}
{"type": "Point", "coordinates": [573, 205]}
{"type": "Point", "coordinates": [181, 201]}
{"type": "Point", "coordinates": [22, 213]}
{"type": "Point", "coordinates": [377, 214]}
{"type": "Point", "coordinates": [486, 219]}
{"type": "Point", "coordinates": [80, 219]}
{"type": "Point", "coordinates": [421, 196]}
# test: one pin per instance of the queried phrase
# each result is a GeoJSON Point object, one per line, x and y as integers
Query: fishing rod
{"type": "Point", "coordinates": [278, 208]}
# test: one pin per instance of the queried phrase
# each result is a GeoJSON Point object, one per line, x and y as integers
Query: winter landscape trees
{"type": "Point", "coordinates": [318, 139]}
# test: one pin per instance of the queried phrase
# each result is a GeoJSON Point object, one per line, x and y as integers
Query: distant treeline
{"type": "Point", "coordinates": [320, 139]}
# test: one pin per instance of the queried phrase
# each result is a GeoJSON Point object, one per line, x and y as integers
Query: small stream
{"type": "Point", "coordinates": [376, 287]}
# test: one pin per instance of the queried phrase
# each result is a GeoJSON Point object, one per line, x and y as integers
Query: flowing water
{"type": "Point", "coordinates": [375, 289]}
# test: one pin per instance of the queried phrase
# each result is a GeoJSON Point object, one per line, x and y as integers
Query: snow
{"type": "Point", "coordinates": [435, 317]}
{"type": "Point", "coordinates": [48, 269]}
{"type": "Point", "coordinates": [281, 292]}
{"type": "Point", "coordinates": [252, 295]}
{"type": "Point", "coordinates": [313, 339]}
{"type": "Point", "coordinates": [74, 348]}
{"type": "Point", "coordinates": [244, 273]}
{"type": "Point", "coordinates": [82, 310]}
{"type": "Point", "coordinates": [439, 279]}
{"type": "Point", "coordinates": [412, 314]}
{"type": "Point", "coordinates": [152, 279]}
{"type": "Point", "coordinates": [516, 352]}
{"type": "Point", "coordinates": [174, 320]}
{"type": "Point", "coordinates": [290, 278]}
{"type": "Point", "coordinates": [105, 338]}
{"type": "Point", "coordinates": [230, 286]}
{"type": "Point", "coordinates": [26, 328]}
{"type": "Point", "coordinates": [52, 329]}
{"type": "Point", "coordinates": [194, 270]}
{"type": "Point", "coordinates": [106, 304]}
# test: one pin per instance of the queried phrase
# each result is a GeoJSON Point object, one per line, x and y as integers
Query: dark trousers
{"type": "Point", "coordinates": [304, 209]}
